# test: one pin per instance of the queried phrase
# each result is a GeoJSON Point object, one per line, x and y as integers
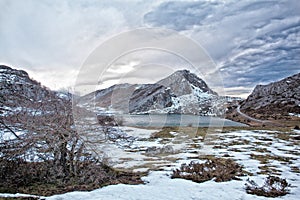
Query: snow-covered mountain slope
{"type": "Point", "coordinates": [184, 82]}
{"type": "Point", "coordinates": [18, 90]}
{"type": "Point", "coordinates": [192, 95]}
{"type": "Point", "coordinates": [20, 93]}
{"type": "Point", "coordinates": [114, 98]}
{"type": "Point", "coordinates": [181, 92]}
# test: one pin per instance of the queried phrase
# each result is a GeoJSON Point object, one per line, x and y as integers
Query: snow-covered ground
{"type": "Point", "coordinates": [261, 152]}
{"type": "Point", "coordinates": [161, 187]}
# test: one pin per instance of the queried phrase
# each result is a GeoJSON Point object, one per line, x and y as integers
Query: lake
{"type": "Point", "coordinates": [162, 120]}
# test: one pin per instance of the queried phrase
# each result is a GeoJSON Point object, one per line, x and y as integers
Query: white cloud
{"type": "Point", "coordinates": [120, 68]}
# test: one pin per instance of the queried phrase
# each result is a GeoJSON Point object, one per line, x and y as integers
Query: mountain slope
{"type": "Point", "coordinates": [21, 94]}
{"type": "Point", "coordinates": [18, 90]}
{"type": "Point", "coordinates": [181, 92]}
{"type": "Point", "coordinates": [113, 98]}
{"type": "Point", "coordinates": [150, 97]}
{"type": "Point", "coordinates": [278, 98]}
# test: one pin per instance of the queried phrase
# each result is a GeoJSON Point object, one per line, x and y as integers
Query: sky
{"type": "Point", "coordinates": [249, 42]}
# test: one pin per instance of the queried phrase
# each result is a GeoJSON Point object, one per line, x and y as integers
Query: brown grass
{"type": "Point", "coordinates": [219, 169]}
{"type": "Point", "coordinates": [165, 132]}
{"type": "Point", "coordinates": [273, 187]}
{"type": "Point", "coordinates": [36, 178]}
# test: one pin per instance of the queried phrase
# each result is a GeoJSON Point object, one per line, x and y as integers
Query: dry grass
{"type": "Point", "coordinates": [219, 169]}
{"type": "Point", "coordinates": [251, 128]}
{"type": "Point", "coordinates": [191, 132]}
{"type": "Point", "coordinates": [165, 132]}
{"type": "Point", "coordinates": [36, 178]}
{"type": "Point", "coordinates": [273, 187]}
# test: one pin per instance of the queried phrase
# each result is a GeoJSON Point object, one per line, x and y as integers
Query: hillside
{"type": "Point", "coordinates": [275, 100]}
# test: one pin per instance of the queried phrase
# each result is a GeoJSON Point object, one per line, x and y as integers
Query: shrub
{"type": "Point", "coordinates": [273, 187]}
{"type": "Point", "coordinates": [19, 176]}
{"type": "Point", "coordinates": [219, 169]}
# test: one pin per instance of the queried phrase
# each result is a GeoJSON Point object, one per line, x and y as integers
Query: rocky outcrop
{"type": "Point", "coordinates": [281, 98]}
{"type": "Point", "coordinates": [150, 97]}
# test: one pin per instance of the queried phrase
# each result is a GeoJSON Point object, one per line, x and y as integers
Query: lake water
{"type": "Point", "coordinates": [161, 120]}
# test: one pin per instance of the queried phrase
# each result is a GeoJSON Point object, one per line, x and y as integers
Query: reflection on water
{"type": "Point", "coordinates": [157, 120]}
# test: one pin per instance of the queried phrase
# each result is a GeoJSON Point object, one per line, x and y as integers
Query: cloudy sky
{"type": "Point", "coordinates": [250, 42]}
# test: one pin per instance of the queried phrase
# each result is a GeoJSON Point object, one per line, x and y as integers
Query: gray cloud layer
{"type": "Point", "coordinates": [252, 42]}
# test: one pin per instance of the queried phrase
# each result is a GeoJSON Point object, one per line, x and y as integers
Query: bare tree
{"type": "Point", "coordinates": [43, 130]}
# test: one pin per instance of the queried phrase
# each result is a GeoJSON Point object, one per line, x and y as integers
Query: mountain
{"type": "Point", "coordinates": [277, 98]}
{"type": "Point", "coordinates": [181, 92]}
{"type": "Point", "coordinates": [21, 93]}
{"type": "Point", "coordinates": [183, 82]}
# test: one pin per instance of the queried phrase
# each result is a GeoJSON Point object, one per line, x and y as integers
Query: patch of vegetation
{"type": "Point", "coordinates": [165, 132]}
{"type": "Point", "coordinates": [269, 169]}
{"type": "Point", "coordinates": [253, 128]}
{"type": "Point", "coordinates": [266, 158]}
{"type": "Point", "coordinates": [201, 132]}
{"type": "Point", "coordinates": [262, 150]}
{"type": "Point", "coordinates": [219, 169]}
{"type": "Point", "coordinates": [238, 142]}
{"type": "Point", "coordinates": [273, 187]}
{"type": "Point", "coordinates": [19, 176]}
{"type": "Point", "coordinates": [191, 132]}
{"type": "Point", "coordinates": [237, 150]}
{"type": "Point", "coordinates": [295, 169]}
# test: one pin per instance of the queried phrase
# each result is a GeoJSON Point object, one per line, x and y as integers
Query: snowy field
{"type": "Point", "coordinates": [261, 152]}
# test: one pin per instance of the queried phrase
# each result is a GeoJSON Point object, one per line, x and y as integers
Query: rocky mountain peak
{"type": "Point", "coordinates": [183, 82]}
